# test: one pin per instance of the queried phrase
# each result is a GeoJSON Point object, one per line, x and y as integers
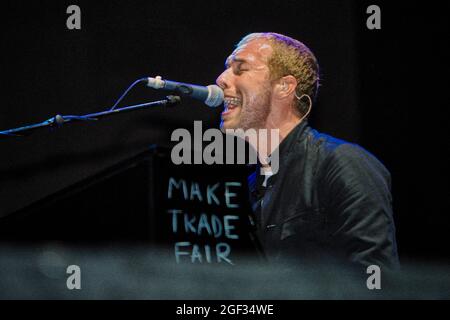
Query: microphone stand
{"type": "Point", "coordinates": [59, 120]}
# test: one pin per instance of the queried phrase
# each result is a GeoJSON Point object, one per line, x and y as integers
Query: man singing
{"type": "Point", "coordinates": [330, 199]}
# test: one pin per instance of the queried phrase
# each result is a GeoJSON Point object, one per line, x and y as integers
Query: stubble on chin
{"type": "Point", "coordinates": [256, 111]}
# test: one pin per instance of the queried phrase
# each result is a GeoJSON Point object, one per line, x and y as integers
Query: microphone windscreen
{"type": "Point", "coordinates": [215, 96]}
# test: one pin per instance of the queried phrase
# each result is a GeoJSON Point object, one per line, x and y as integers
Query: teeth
{"type": "Point", "coordinates": [233, 101]}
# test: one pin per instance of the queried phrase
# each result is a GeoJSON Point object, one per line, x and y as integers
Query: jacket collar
{"type": "Point", "coordinates": [284, 149]}
{"type": "Point", "coordinates": [296, 134]}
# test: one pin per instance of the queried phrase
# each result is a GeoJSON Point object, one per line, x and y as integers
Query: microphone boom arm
{"type": "Point", "coordinates": [59, 120]}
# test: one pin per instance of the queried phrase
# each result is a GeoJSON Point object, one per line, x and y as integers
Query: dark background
{"type": "Point", "coordinates": [380, 88]}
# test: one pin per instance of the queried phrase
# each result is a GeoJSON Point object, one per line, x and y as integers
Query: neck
{"type": "Point", "coordinates": [284, 118]}
{"type": "Point", "coordinates": [277, 128]}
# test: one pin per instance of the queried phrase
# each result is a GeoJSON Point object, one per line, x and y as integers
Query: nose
{"type": "Point", "coordinates": [223, 80]}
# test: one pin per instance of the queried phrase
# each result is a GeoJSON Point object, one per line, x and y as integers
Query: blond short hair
{"type": "Point", "coordinates": [291, 57]}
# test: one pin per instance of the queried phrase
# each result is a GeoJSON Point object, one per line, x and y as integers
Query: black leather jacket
{"type": "Point", "coordinates": [329, 200]}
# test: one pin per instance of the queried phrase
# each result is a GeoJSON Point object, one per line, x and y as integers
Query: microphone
{"type": "Point", "coordinates": [211, 95]}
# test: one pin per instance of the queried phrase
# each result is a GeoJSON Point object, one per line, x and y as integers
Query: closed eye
{"type": "Point", "coordinates": [237, 65]}
{"type": "Point", "coordinates": [239, 69]}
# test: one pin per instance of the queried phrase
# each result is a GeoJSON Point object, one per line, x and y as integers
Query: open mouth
{"type": "Point", "coordinates": [230, 103]}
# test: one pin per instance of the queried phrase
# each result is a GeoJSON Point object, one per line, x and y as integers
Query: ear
{"type": "Point", "coordinates": [286, 87]}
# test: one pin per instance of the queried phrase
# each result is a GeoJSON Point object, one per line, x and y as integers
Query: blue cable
{"type": "Point", "coordinates": [126, 92]}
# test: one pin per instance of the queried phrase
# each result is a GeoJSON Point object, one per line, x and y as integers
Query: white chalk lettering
{"type": "Point", "coordinates": [196, 255]}
{"type": "Point", "coordinates": [196, 252]}
{"type": "Point", "coordinates": [203, 224]}
{"type": "Point", "coordinates": [228, 227]}
{"type": "Point", "coordinates": [216, 226]}
{"type": "Point", "coordinates": [189, 224]}
{"type": "Point", "coordinates": [174, 213]}
{"type": "Point", "coordinates": [195, 191]}
{"type": "Point", "coordinates": [177, 185]}
{"type": "Point", "coordinates": [210, 194]}
{"type": "Point", "coordinates": [179, 253]}
{"type": "Point", "coordinates": [211, 225]}
{"type": "Point", "coordinates": [223, 251]}
{"type": "Point", "coordinates": [229, 195]}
